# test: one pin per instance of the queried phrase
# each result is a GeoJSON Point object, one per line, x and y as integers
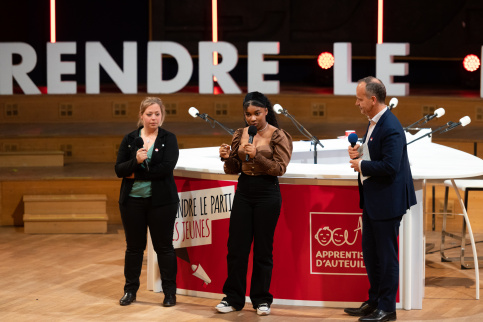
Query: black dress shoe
{"type": "Point", "coordinates": [127, 299]}
{"type": "Point", "coordinates": [363, 310]}
{"type": "Point", "coordinates": [380, 316]}
{"type": "Point", "coordinates": [169, 300]}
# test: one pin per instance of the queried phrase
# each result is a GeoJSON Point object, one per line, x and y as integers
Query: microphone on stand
{"type": "Point", "coordinates": [464, 121]}
{"type": "Point", "coordinates": [393, 103]}
{"type": "Point", "coordinates": [193, 111]}
{"type": "Point", "coordinates": [277, 108]}
{"type": "Point", "coordinates": [438, 113]}
{"type": "Point", "coordinates": [252, 131]}
{"type": "Point", "coordinates": [139, 142]}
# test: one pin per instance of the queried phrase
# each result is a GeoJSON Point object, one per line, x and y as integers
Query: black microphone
{"type": "Point", "coordinates": [252, 131]}
{"type": "Point", "coordinates": [140, 144]}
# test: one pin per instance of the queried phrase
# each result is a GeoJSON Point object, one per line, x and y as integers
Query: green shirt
{"type": "Point", "coordinates": [142, 188]}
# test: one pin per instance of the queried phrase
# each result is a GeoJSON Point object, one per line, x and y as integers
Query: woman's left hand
{"type": "Point", "coordinates": [250, 149]}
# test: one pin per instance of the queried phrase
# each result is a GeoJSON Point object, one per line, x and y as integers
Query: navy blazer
{"type": "Point", "coordinates": [389, 191]}
{"type": "Point", "coordinates": [163, 160]}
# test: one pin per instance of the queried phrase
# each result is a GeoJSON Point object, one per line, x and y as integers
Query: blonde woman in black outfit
{"type": "Point", "coordinates": [148, 198]}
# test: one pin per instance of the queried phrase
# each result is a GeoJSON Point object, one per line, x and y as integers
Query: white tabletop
{"type": "Point", "coordinates": [428, 161]}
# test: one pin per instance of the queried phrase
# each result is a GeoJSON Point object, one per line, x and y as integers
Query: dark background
{"type": "Point", "coordinates": [440, 33]}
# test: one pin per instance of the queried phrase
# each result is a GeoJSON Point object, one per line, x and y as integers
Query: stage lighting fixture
{"type": "Point", "coordinates": [471, 63]}
{"type": "Point", "coordinates": [325, 60]}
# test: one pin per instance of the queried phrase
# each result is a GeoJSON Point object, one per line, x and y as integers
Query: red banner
{"type": "Point", "coordinates": [317, 246]}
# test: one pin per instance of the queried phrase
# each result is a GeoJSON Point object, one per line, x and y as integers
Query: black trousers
{"type": "Point", "coordinates": [380, 253]}
{"type": "Point", "coordinates": [137, 215]}
{"type": "Point", "coordinates": [254, 216]}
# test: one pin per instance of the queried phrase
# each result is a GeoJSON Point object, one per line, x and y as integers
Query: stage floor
{"type": "Point", "coordinates": [80, 278]}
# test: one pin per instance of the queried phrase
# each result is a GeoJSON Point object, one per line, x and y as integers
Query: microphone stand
{"type": "Point", "coordinates": [426, 119]}
{"type": "Point", "coordinates": [306, 133]}
{"type": "Point", "coordinates": [213, 122]}
{"type": "Point", "coordinates": [448, 126]}
{"type": "Point", "coordinates": [410, 127]}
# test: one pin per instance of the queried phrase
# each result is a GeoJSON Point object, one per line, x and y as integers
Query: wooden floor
{"type": "Point", "coordinates": [79, 277]}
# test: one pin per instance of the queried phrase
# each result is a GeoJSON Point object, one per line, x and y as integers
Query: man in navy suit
{"type": "Point", "coordinates": [386, 192]}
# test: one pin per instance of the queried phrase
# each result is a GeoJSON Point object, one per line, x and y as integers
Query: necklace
{"type": "Point", "coordinates": [263, 128]}
{"type": "Point", "coordinates": [148, 137]}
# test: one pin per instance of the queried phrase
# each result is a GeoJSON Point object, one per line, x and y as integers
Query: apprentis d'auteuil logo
{"type": "Point", "coordinates": [335, 244]}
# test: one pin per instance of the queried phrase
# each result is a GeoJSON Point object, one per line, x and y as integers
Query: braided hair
{"type": "Point", "coordinates": [260, 100]}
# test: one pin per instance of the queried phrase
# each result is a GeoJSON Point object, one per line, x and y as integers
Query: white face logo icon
{"type": "Point", "coordinates": [326, 235]}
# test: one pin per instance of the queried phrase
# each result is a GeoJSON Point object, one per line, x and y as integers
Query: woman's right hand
{"type": "Point", "coordinates": [224, 151]}
{"type": "Point", "coordinates": [141, 155]}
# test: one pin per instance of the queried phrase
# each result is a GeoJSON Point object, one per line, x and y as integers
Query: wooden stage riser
{"type": "Point", "coordinates": [103, 108]}
{"type": "Point", "coordinates": [105, 148]}
{"type": "Point", "coordinates": [12, 206]}
{"type": "Point", "coordinates": [12, 192]}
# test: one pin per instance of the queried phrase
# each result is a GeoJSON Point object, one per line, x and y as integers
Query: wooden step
{"type": "Point", "coordinates": [65, 214]}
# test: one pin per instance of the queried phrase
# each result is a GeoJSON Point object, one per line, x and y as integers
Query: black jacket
{"type": "Point", "coordinates": [389, 191]}
{"type": "Point", "coordinates": [164, 158]}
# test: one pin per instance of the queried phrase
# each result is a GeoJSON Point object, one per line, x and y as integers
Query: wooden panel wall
{"type": "Point", "coordinates": [99, 108]}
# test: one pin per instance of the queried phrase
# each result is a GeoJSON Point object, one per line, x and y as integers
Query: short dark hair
{"type": "Point", "coordinates": [374, 87]}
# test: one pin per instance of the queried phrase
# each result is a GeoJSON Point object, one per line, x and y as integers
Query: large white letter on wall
{"type": "Point", "coordinates": [156, 50]}
{"type": "Point", "coordinates": [97, 55]}
{"type": "Point", "coordinates": [386, 69]}
{"type": "Point", "coordinates": [207, 70]}
{"type": "Point", "coordinates": [257, 67]}
{"type": "Point", "coordinates": [343, 84]}
{"type": "Point", "coordinates": [56, 68]}
{"type": "Point", "coordinates": [9, 71]}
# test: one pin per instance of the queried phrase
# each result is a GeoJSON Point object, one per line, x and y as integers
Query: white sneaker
{"type": "Point", "coordinates": [263, 309]}
{"type": "Point", "coordinates": [224, 307]}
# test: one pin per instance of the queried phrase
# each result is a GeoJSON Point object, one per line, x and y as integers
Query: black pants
{"type": "Point", "coordinates": [137, 215]}
{"type": "Point", "coordinates": [254, 216]}
{"type": "Point", "coordinates": [380, 252]}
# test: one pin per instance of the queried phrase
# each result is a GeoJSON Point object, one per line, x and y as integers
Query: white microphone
{"type": "Point", "coordinates": [393, 103]}
{"type": "Point", "coordinates": [194, 112]}
{"type": "Point", "coordinates": [278, 109]}
{"type": "Point", "coordinates": [438, 113]}
{"type": "Point", "coordinates": [464, 121]}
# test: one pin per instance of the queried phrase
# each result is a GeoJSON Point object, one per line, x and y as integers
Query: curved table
{"type": "Point", "coordinates": [317, 251]}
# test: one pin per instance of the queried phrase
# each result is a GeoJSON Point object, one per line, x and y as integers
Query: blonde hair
{"type": "Point", "coordinates": [148, 101]}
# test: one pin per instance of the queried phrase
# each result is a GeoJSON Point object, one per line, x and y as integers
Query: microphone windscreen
{"type": "Point", "coordinates": [252, 130]}
{"type": "Point", "coordinates": [193, 111]}
{"type": "Point", "coordinates": [353, 139]}
{"type": "Point", "coordinates": [465, 120]}
{"type": "Point", "coordinates": [139, 142]}
{"type": "Point", "coordinates": [439, 112]}
{"type": "Point", "coordinates": [393, 102]}
{"type": "Point", "coordinates": [277, 108]}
